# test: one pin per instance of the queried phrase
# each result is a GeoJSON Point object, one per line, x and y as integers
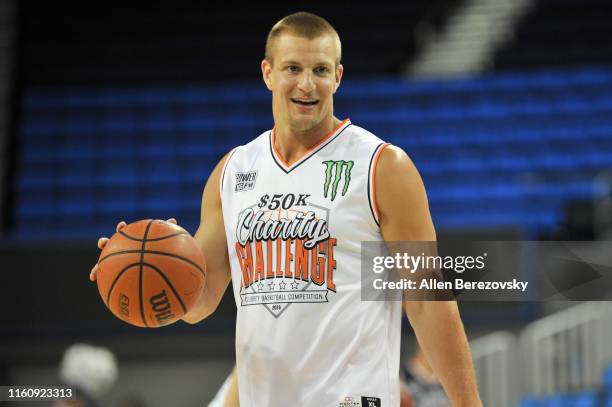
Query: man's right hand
{"type": "Point", "coordinates": [93, 274]}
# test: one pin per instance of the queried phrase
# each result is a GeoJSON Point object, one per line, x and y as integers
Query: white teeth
{"type": "Point", "coordinates": [305, 101]}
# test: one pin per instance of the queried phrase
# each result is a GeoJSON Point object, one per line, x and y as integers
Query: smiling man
{"type": "Point", "coordinates": [283, 218]}
{"type": "Point", "coordinates": [302, 69]}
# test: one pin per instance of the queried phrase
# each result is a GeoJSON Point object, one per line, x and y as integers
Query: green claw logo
{"type": "Point", "coordinates": [333, 170]}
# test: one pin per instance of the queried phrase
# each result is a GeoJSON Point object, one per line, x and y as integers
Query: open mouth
{"type": "Point", "coordinates": [305, 102]}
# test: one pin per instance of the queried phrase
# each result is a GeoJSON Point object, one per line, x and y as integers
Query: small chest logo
{"type": "Point", "coordinates": [245, 180]}
{"type": "Point", "coordinates": [334, 171]}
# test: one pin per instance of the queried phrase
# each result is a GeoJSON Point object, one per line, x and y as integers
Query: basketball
{"type": "Point", "coordinates": [151, 273]}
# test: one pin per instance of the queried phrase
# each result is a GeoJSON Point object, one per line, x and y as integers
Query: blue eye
{"type": "Point", "coordinates": [293, 69]}
{"type": "Point", "coordinates": [321, 70]}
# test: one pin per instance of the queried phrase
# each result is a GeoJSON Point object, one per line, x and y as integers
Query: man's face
{"type": "Point", "coordinates": [303, 77]}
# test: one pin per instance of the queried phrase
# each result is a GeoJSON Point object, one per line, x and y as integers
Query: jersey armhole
{"type": "Point", "coordinates": [372, 181]}
{"type": "Point", "coordinates": [227, 159]}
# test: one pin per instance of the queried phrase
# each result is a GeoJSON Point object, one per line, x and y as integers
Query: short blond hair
{"type": "Point", "coordinates": [302, 24]}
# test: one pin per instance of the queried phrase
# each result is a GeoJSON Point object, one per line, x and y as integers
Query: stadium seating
{"type": "Point", "coordinates": [118, 43]}
{"type": "Point", "coordinates": [501, 150]}
{"type": "Point", "coordinates": [607, 379]}
{"type": "Point", "coordinates": [600, 398]}
{"type": "Point", "coordinates": [582, 399]}
{"type": "Point", "coordinates": [560, 33]}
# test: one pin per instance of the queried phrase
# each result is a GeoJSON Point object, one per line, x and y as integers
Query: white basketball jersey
{"type": "Point", "coordinates": [303, 335]}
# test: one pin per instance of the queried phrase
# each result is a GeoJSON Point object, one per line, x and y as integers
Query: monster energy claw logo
{"type": "Point", "coordinates": [333, 169]}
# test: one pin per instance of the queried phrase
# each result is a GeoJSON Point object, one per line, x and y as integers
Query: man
{"type": "Point", "coordinates": [283, 218]}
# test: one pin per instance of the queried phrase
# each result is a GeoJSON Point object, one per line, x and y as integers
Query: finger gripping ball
{"type": "Point", "coordinates": [151, 273]}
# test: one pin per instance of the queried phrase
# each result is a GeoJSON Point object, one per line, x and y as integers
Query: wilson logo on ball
{"type": "Point", "coordinates": [124, 305]}
{"type": "Point", "coordinates": [161, 307]}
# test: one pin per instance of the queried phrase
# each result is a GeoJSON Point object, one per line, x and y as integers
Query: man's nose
{"type": "Point", "coordinates": [306, 83]}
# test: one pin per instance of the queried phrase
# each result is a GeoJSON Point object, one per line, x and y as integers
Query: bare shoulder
{"type": "Point", "coordinates": [217, 173]}
{"type": "Point", "coordinates": [401, 198]}
{"type": "Point", "coordinates": [396, 175]}
{"type": "Point", "coordinates": [212, 189]}
{"type": "Point", "coordinates": [394, 161]}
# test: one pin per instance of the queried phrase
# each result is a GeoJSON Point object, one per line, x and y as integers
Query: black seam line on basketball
{"type": "Point", "coordinates": [110, 291]}
{"type": "Point", "coordinates": [369, 182]}
{"type": "Point", "coordinates": [122, 233]}
{"type": "Point", "coordinates": [154, 252]}
{"type": "Point", "coordinates": [169, 285]}
{"type": "Point", "coordinates": [142, 253]}
{"type": "Point", "coordinates": [225, 166]}
{"type": "Point", "coordinates": [310, 155]}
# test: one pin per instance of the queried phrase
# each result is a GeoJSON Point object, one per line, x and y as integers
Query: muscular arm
{"type": "Point", "coordinates": [404, 216]}
{"type": "Point", "coordinates": [211, 239]}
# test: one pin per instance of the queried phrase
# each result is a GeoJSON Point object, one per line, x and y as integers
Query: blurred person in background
{"type": "Point", "coordinates": [91, 371]}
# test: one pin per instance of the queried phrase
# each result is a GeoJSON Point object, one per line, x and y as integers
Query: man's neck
{"type": "Point", "coordinates": [292, 144]}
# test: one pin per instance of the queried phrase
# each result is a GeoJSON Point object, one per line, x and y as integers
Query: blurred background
{"type": "Point", "coordinates": [112, 111]}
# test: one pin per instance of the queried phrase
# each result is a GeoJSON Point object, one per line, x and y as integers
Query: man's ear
{"type": "Point", "coordinates": [339, 72]}
{"type": "Point", "coordinates": [266, 72]}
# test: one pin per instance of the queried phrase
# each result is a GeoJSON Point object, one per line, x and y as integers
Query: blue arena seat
{"type": "Point", "coordinates": [607, 378]}
{"type": "Point", "coordinates": [501, 150]}
{"type": "Point", "coordinates": [530, 401]}
{"type": "Point", "coordinates": [581, 399]}
{"type": "Point", "coordinates": [585, 399]}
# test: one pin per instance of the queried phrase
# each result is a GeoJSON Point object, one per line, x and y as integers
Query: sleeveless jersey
{"type": "Point", "coordinates": [294, 233]}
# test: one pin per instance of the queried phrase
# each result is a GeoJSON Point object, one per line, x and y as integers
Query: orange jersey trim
{"type": "Point", "coordinates": [374, 167]}
{"type": "Point", "coordinates": [227, 158]}
{"type": "Point", "coordinates": [310, 150]}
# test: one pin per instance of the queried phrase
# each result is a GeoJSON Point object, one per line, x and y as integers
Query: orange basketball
{"type": "Point", "coordinates": [151, 273]}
